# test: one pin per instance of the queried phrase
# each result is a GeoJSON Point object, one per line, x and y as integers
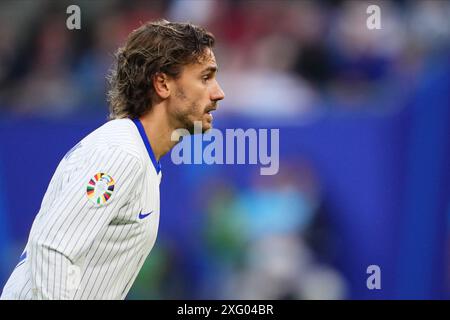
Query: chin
{"type": "Point", "coordinates": [193, 129]}
{"type": "Point", "coordinates": [194, 126]}
{"type": "Point", "coordinates": [207, 127]}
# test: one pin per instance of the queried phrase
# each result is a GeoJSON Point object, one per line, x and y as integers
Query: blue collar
{"type": "Point", "coordinates": [144, 137]}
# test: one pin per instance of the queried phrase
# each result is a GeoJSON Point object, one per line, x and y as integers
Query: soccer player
{"type": "Point", "coordinates": [99, 217]}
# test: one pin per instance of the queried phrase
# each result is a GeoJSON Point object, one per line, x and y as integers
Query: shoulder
{"type": "Point", "coordinates": [117, 135]}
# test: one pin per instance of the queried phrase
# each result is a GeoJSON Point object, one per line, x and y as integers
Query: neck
{"type": "Point", "coordinates": [158, 130]}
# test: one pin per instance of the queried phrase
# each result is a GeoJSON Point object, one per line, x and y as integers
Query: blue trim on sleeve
{"type": "Point", "coordinates": [144, 137]}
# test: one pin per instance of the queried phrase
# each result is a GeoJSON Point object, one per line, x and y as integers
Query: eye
{"type": "Point", "coordinates": [205, 78]}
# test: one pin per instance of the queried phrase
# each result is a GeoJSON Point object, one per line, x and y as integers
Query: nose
{"type": "Point", "coordinates": [217, 93]}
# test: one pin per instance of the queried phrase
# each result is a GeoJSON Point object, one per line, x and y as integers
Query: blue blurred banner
{"type": "Point", "coordinates": [5, 240]}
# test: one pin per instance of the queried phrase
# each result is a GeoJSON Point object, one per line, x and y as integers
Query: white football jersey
{"type": "Point", "coordinates": [98, 220]}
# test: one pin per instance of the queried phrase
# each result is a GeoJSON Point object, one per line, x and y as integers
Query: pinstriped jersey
{"type": "Point", "coordinates": [98, 220]}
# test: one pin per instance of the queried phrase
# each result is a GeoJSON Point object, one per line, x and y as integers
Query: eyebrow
{"type": "Point", "coordinates": [211, 69]}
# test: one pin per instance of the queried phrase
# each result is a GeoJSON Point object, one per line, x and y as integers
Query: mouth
{"type": "Point", "coordinates": [209, 112]}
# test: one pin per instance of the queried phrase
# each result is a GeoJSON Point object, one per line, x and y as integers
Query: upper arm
{"type": "Point", "coordinates": [81, 208]}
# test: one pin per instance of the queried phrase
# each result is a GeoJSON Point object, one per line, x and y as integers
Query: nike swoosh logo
{"type": "Point", "coordinates": [142, 216]}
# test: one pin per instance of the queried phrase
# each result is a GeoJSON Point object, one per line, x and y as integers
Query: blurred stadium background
{"type": "Point", "coordinates": [364, 118]}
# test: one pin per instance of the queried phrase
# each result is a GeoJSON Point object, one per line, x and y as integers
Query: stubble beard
{"type": "Point", "coordinates": [183, 117]}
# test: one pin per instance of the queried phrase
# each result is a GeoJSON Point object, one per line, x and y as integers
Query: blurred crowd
{"type": "Point", "coordinates": [276, 58]}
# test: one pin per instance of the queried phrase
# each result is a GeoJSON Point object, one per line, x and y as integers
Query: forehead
{"type": "Point", "coordinates": [208, 58]}
{"type": "Point", "coordinates": [206, 61]}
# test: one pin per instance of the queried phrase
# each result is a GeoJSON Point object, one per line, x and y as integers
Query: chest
{"type": "Point", "coordinates": [139, 218]}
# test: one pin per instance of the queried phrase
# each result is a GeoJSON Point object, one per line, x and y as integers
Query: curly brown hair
{"type": "Point", "coordinates": [155, 47]}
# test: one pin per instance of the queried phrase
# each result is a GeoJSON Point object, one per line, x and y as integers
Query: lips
{"type": "Point", "coordinates": [212, 108]}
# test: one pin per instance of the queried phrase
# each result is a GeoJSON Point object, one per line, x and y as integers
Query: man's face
{"type": "Point", "coordinates": [196, 93]}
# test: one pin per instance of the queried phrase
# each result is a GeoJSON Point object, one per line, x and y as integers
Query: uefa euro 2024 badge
{"type": "Point", "coordinates": [100, 188]}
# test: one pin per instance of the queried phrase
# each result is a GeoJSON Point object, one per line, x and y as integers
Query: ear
{"type": "Point", "coordinates": [161, 85]}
